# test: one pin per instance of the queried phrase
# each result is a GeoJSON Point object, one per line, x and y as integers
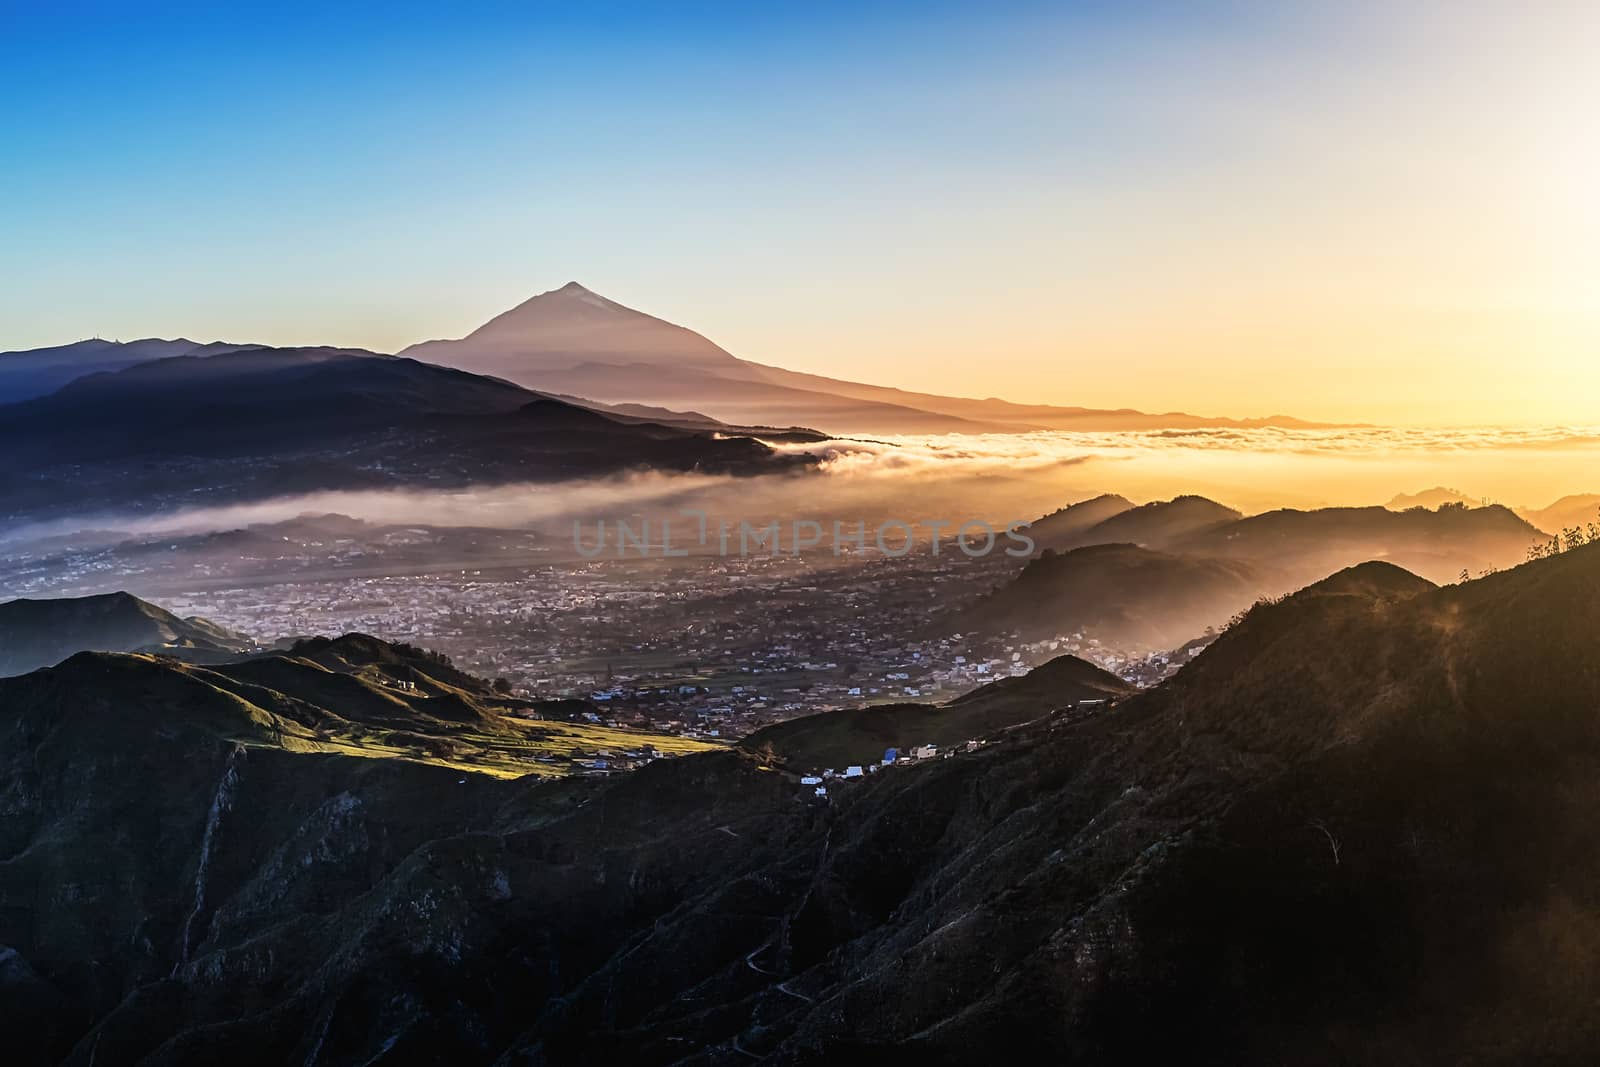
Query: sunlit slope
{"type": "Point", "coordinates": [393, 710]}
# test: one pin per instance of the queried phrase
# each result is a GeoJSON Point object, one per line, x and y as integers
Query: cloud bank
{"type": "Point", "coordinates": [998, 478]}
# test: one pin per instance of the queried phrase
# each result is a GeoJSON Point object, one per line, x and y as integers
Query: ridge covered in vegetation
{"type": "Point", "coordinates": [1357, 828]}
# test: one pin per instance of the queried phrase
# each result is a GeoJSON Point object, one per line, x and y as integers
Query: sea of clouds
{"type": "Point", "coordinates": [998, 478]}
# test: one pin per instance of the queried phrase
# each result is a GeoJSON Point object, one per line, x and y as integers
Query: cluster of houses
{"type": "Point", "coordinates": [892, 757]}
{"type": "Point", "coordinates": [604, 760]}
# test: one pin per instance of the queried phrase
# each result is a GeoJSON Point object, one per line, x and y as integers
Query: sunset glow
{"type": "Point", "coordinates": [1371, 213]}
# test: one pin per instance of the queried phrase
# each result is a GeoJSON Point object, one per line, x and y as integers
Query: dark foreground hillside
{"type": "Point", "coordinates": [1358, 829]}
{"type": "Point", "coordinates": [859, 735]}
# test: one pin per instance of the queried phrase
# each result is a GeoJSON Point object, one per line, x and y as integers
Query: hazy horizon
{"type": "Point", "coordinates": [1575, 427]}
{"type": "Point", "coordinates": [999, 478]}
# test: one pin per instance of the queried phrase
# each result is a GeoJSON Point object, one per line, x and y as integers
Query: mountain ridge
{"type": "Point", "coordinates": [263, 422]}
{"type": "Point", "coordinates": [1128, 579]}
{"type": "Point", "coordinates": [38, 633]}
{"type": "Point", "coordinates": [1157, 524]}
{"type": "Point", "coordinates": [37, 372]}
{"type": "Point", "coordinates": [1270, 858]}
{"type": "Point", "coordinates": [574, 341]}
{"type": "Point", "coordinates": [1126, 596]}
{"type": "Point", "coordinates": [837, 739]}
{"type": "Point", "coordinates": [640, 358]}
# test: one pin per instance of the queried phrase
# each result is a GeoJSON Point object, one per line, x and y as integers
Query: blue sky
{"type": "Point", "coordinates": [305, 172]}
{"type": "Point", "coordinates": [969, 195]}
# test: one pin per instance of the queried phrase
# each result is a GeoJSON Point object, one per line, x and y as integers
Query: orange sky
{"type": "Point", "coordinates": [1354, 211]}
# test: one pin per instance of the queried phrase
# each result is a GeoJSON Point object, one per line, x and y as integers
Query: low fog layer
{"type": "Point", "coordinates": [1250, 469]}
{"type": "Point", "coordinates": [995, 478]}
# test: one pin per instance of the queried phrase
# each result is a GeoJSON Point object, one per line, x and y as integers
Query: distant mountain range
{"type": "Point", "coordinates": [1109, 520]}
{"type": "Point", "coordinates": [263, 422]}
{"type": "Point", "coordinates": [1357, 828]}
{"type": "Point", "coordinates": [1576, 511]}
{"type": "Point", "coordinates": [1431, 499]}
{"type": "Point", "coordinates": [1125, 596]}
{"type": "Point", "coordinates": [1061, 528]}
{"type": "Point", "coordinates": [1438, 543]}
{"type": "Point", "coordinates": [1580, 511]}
{"type": "Point", "coordinates": [1150, 577]}
{"type": "Point", "coordinates": [574, 343]}
{"type": "Point", "coordinates": [40, 633]}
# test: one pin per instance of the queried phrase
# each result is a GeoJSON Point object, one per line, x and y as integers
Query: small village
{"type": "Point", "coordinates": [818, 783]}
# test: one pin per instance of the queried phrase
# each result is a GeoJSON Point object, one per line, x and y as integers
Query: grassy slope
{"type": "Point", "coordinates": [293, 704]}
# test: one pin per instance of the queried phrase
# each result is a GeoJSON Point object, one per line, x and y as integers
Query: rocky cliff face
{"type": "Point", "coordinates": [1358, 828]}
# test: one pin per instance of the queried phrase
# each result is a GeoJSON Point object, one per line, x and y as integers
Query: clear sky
{"type": "Point", "coordinates": [1385, 213]}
